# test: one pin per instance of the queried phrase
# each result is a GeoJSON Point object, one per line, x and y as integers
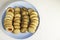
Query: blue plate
{"type": "Point", "coordinates": [13, 5]}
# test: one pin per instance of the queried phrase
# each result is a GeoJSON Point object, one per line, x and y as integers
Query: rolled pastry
{"type": "Point", "coordinates": [30, 10]}
{"type": "Point", "coordinates": [23, 30]}
{"type": "Point", "coordinates": [9, 28]}
{"type": "Point", "coordinates": [8, 19]}
{"type": "Point", "coordinates": [31, 30]}
{"type": "Point", "coordinates": [17, 9]}
{"type": "Point", "coordinates": [9, 16]}
{"type": "Point", "coordinates": [18, 21]}
{"type": "Point", "coordinates": [10, 9]}
{"type": "Point", "coordinates": [10, 13]}
{"type": "Point", "coordinates": [25, 20]}
{"type": "Point", "coordinates": [24, 13]}
{"type": "Point", "coordinates": [18, 15]}
{"type": "Point", "coordinates": [16, 31]}
{"type": "Point", "coordinates": [17, 18]}
{"type": "Point", "coordinates": [7, 23]}
{"type": "Point", "coordinates": [17, 26]}
{"type": "Point", "coordinates": [33, 21]}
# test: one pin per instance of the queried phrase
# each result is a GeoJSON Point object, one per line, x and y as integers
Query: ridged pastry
{"type": "Point", "coordinates": [34, 18]}
{"type": "Point", "coordinates": [24, 13]}
{"type": "Point", "coordinates": [9, 28]}
{"type": "Point", "coordinates": [16, 31]}
{"type": "Point", "coordinates": [18, 15]}
{"type": "Point", "coordinates": [10, 13]}
{"type": "Point", "coordinates": [30, 10]}
{"type": "Point", "coordinates": [31, 30]}
{"type": "Point", "coordinates": [17, 9]}
{"type": "Point", "coordinates": [16, 24]}
{"type": "Point", "coordinates": [8, 19]}
{"type": "Point", "coordinates": [25, 19]}
{"type": "Point", "coordinates": [23, 29]}
{"type": "Point", "coordinates": [10, 9]}
{"type": "Point", "coordinates": [24, 25]}
{"type": "Point", "coordinates": [9, 16]}
{"type": "Point", "coordinates": [17, 18]}
{"type": "Point", "coordinates": [33, 13]}
{"type": "Point", "coordinates": [21, 20]}
{"type": "Point", "coordinates": [7, 23]}
{"type": "Point", "coordinates": [33, 21]}
{"type": "Point", "coordinates": [18, 21]}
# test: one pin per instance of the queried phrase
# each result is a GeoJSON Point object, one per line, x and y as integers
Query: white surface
{"type": "Point", "coordinates": [50, 21]}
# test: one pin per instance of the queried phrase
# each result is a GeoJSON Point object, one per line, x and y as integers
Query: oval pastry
{"type": "Point", "coordinates": [33, 21]}
{"type": "Point", "coordinates": [8, 19]}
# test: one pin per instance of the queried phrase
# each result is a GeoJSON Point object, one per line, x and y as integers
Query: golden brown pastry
{"type": "Point", "coordinates": [21, 20]}
{"type": "Point", "coordinates": [10, 9]}
{"type": "Point", "coordinates": [23, 29]}
{"type": "Point", "coordinates": [8, 19]}
{"type": "Point", "coordinates": [18, 15]}
{"type": "Point", "coordinates": [18, 26]}
{"type": "Point", "coordinates": [17, 9]}
{"type": "Point", "coordinates": [30, 10]}
{"type": "Point", "coordinates": [16, 31]}
{"type": "Point", "coordinates": [9, 28]}
{"type": "Point", "coordinates": [25, 20]}
{"type": "Point", "coordinates": [10, 13]}
{"type": "Point", "coordinates": [17, 18]}
{"type": "Point", "coordinates": [18, 21]}
{"type": "Point", "coordinates": [33, 21]}
{"type": "Point", "coordinates": [31, 29]}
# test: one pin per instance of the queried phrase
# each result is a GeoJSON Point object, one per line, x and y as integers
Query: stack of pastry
{"type": "Point", "coordinates": [33, 20]}
{"type": "Point", "coordinates": [8, 19]}
{"type": "Point", "coordinates": [25, 20]}
{"type": "Point", "coordinates": [17, 18]}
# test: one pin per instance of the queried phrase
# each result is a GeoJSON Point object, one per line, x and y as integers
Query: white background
{"type": "Point", "coordinates": [49, 28]}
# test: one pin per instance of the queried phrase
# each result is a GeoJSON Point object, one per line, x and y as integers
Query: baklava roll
{"type": "Point", "coordinates": [33, 21]}
{"type": "Point", "coordinates": [17, 18]}
{"type": "Point", "coordinates": [8, 19]}
{"type": "Point", "coordinates": [25, 20]}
